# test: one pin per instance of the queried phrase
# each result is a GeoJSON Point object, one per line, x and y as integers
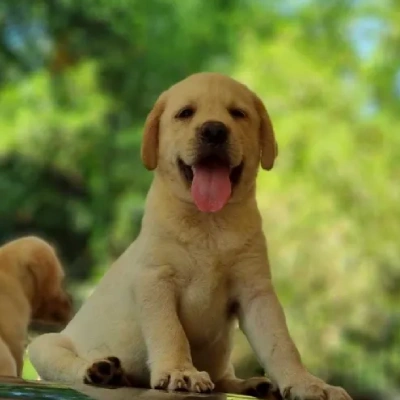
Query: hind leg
{"type": "Point", "coordinates": [8, 366]}
{"type": "Point", "coordinates": [260, 387]}
{"type": "Point", "coordinates": [54, 357]}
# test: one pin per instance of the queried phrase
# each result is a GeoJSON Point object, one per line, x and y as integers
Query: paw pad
{"type": "Point", "coordinates": [261, 388]}
{"type": "Point", "coordinates": [106, 372]}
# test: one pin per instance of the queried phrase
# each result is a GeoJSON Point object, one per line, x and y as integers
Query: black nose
{"type": "Point", "coordinates": [214, 132]}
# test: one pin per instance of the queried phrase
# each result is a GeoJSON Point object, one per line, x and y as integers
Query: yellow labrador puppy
{"type": "Point", "coordinates": [164, 315]}
{"type": "Point", "coordinates": [31, 278]}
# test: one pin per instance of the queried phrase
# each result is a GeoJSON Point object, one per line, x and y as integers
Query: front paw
{"type": "Point", "coordinates": [312, 388]}
{"type": "Point", "coordinates": [182, 379]}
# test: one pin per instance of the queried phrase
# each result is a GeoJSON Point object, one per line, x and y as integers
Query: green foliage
{"type": "Point", "coordinates": [331, 206]}
{"type": "Point", "coordinates": [97, 71]}
{"type": "Point", "coordinates": [77, 80]}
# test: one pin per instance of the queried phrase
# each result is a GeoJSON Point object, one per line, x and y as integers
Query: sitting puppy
{"type": "Point", "coordinates": [164, 315]}
{"type": "Point", "coordinates": [30, 288]}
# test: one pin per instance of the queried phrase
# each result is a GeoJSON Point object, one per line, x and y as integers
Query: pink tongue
{"type": "Point", "coordinates": [211, 188]}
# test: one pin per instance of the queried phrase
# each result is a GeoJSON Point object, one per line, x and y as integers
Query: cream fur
{"type": "Point", "coordinates": [168, 305]}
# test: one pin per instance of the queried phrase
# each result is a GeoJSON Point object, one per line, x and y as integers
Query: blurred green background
{"type": "Point", "coordinates": [78, 78]}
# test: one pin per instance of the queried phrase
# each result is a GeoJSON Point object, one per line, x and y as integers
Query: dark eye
{"type": "Point", "coordinates": [237, 113]}
{"type": "Point", "coordinates": [185, 113]}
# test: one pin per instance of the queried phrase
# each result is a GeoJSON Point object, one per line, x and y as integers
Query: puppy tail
{"type": "Point", "coordinates": [54, 357]}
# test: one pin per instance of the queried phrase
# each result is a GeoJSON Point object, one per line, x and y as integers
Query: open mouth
{"type": "Point", "coordinates": [211, 162]}
{"type": "Point", "coordinates": [211, 180]}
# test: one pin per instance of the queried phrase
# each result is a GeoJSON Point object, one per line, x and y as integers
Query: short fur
{"type": "Point", "coordinates": [166, 310]}
{"type": "Point", "coordinates": [30, 288]}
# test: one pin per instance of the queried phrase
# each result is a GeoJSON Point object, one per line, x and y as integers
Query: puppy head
{"type": "Point", "coordinates": [207, 136]}
{"type": "Point", "coordinates": [51, 303]}
{"type": "Point", "coordinates": [55, 308]}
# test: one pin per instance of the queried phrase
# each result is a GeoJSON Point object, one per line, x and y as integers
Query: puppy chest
{"type": "Point", "coordinates": [204, 310]}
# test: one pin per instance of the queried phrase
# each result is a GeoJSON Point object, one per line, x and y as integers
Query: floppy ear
{"type": "Point", "coordinates": [149, 151]}
{"type": "Point", "coordinates": [269, 146]}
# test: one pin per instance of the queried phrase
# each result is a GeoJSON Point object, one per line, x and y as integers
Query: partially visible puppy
{"type": "Point", "coordinates": [31, 278]}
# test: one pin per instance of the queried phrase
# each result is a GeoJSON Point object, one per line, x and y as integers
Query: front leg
{"type": "Point", "coordinates": [262, 320]}
{"type": "Point", "coordinates": [169, 356]}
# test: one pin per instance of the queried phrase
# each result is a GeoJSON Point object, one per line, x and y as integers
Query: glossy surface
{"type": "Point", "coordinates": [13, 388]}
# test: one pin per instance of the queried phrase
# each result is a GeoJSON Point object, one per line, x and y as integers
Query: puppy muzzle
{"type": "Point", "coordinates": [213, 142]}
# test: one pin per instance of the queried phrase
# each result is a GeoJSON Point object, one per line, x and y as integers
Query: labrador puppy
{"type": "Point", "coordinates": [30, 289]}
{"type": "Point", "coordinates": [164, 315]}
